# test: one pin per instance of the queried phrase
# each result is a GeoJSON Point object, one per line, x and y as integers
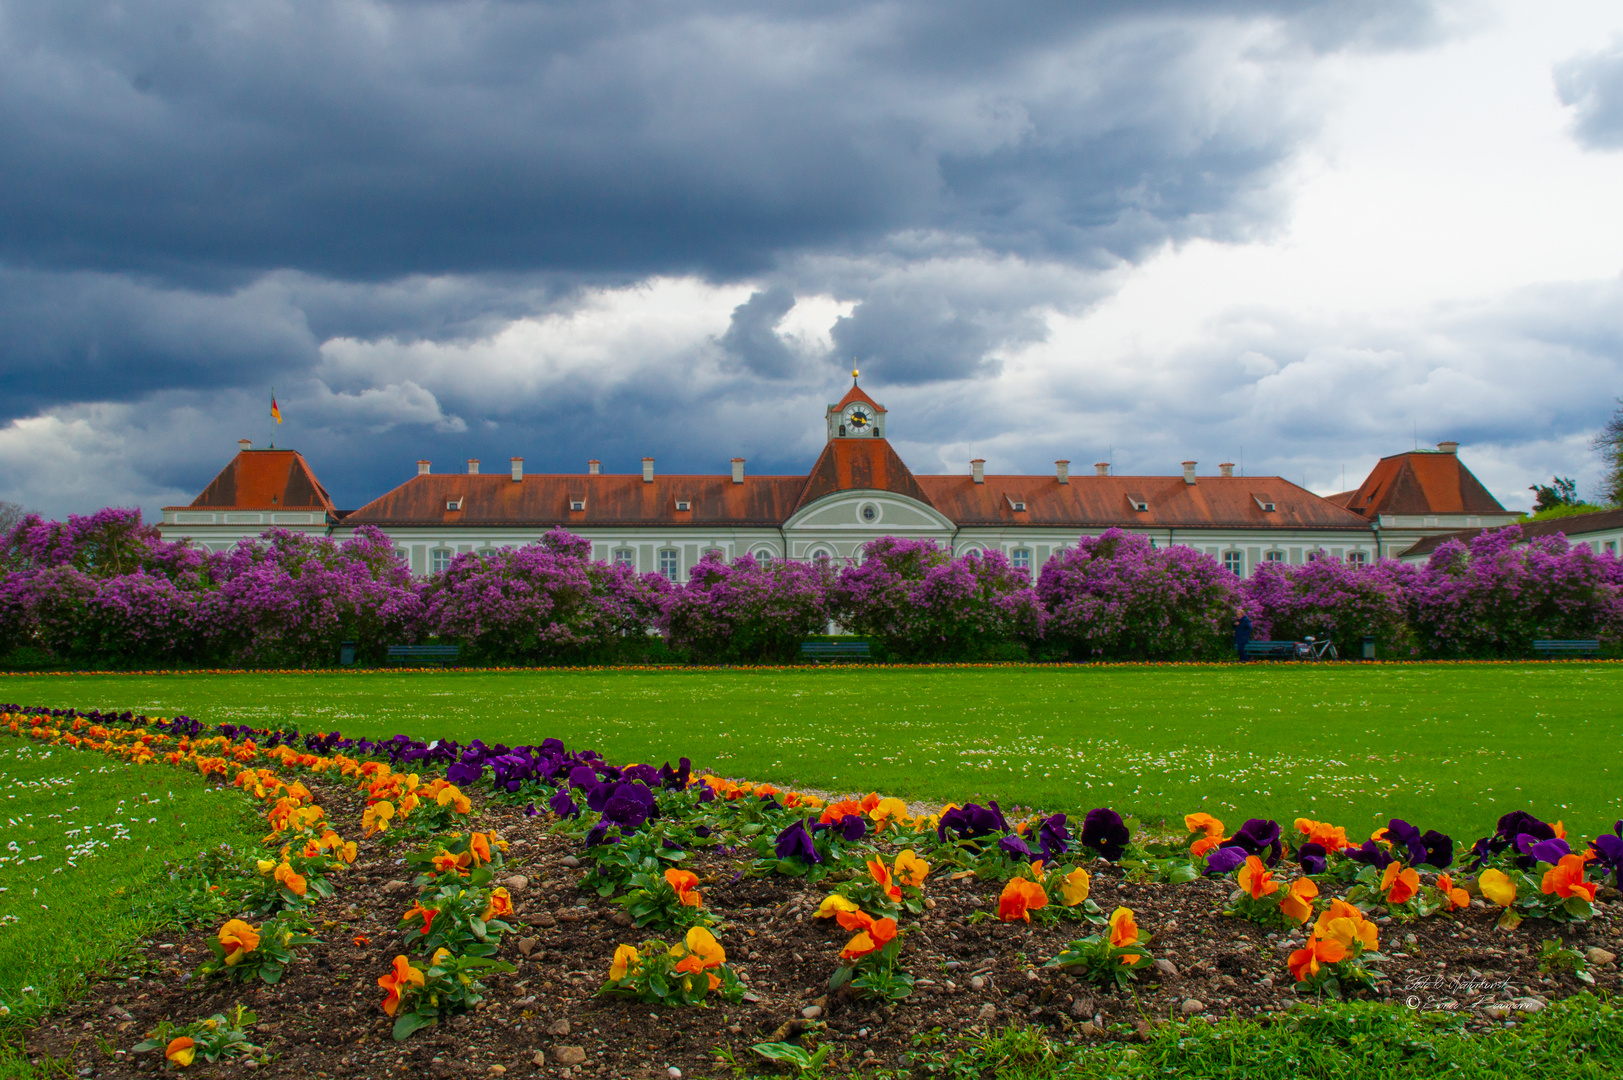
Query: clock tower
{"type": "Point", "coordinates": [856, 415]}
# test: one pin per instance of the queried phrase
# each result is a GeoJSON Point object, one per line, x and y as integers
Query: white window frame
{"type": "Point", "coordinates": [439, 559]}
{"type": "Point", "coordinates": [1021, 559]}
{"type": "Point", "coordinates": [1234, 562]}
{"type": "Point", "coordinates": [1357, 558]}
{"type": "Point", "coordinates": [624, 556]}
{"type": "Point", "coordinates": [668, 562]}
{"type": "Point", "coordinates": [1274, 555]}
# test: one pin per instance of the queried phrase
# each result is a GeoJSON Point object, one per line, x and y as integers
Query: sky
{"type": "Point", "coordinates": [1294, 236]}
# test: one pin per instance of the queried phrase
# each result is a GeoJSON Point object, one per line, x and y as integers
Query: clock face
{"type": "Point", "coordinates": [858, 420]}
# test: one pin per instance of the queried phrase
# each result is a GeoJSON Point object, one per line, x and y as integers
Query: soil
{"type": "Point", "coordinates": [324, 1018]}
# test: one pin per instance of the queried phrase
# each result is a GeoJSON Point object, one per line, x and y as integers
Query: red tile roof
{"type": "Point", "coordinates": [1574, 528]}
{"type": "Point", "coordinates": [611, 499]}
{"type": "Point", "coordinates": [540, 500]}
{"type": "Point", "coordinates": [1419, 482]}
{"type": "Point", "coordinates": [856, 394]}
{"type": "Point", "coordinates": [866, 463]}
{"type": "Point", "coordinates": [1102, 501]}
{"type": "Point", "coordinates": [265, 480]}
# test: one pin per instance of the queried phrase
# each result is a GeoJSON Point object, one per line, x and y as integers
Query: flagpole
{"type": "Point", "coordinates": [273, 426]}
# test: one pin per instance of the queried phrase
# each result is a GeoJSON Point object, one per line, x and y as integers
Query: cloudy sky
{"type": "Point", "coordinates": [1301, 235]}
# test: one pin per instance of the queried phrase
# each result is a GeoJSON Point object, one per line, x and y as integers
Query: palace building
{"type": "Point", "coordinates": [858, 489]}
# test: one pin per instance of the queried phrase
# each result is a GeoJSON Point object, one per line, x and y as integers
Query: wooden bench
{"type": "Point", "coordinates": [1270, 650]}
{"type": "Point", "coordinates": [834, 650]}
{"type": "Point", "coordinates": [1549, 648]}
{"type": "Point", "coordinates": [425, 654]}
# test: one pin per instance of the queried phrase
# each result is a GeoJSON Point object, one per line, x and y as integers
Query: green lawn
{"type": "Point", "coordinates": [82, 859]}
{"type": "Point", "coordinates": [1446, 746]}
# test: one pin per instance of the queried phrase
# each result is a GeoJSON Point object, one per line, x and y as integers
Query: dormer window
{"type": "Point", "coordinates": [577, 504]}
{"type": "Point", "coordinates": [1139, 503]}
{"type": "Point", "coordinates": [684, 504]}
{"type": "Point", "coordinates": [1265, 504]}
{"type": "Point", "coordinates": [1017, 505]}
{"type": "Point", "coordinates": [454, 504]}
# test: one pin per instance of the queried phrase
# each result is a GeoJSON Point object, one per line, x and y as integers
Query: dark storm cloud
{"type": "Point", "coordinates": [199, 197]}
{"type": "Point", "coordinates": [752, 334]}
{"type": "Point", "coordinates": [372, 141]}
{"type": "Point", "coordinates": [1593, 86]}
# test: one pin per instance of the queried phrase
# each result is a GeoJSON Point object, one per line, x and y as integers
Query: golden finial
{"type": "Point", "coordinates": [853, 376]}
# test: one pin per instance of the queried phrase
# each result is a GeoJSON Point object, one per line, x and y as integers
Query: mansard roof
{"type": "Point", "coordinates": [1419, 482]}
{"type": "Point", "coordinates": [264, 480]}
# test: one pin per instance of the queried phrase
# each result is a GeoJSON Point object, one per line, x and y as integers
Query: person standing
{"type": "Point", "coordinates": [1242, 632]}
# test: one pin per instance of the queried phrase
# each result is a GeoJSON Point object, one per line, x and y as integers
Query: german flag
{"type": "Point", "coordinates": [275, 412]}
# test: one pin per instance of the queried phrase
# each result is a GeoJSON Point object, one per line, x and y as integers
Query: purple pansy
{"type": "Point", "coordinates": [796, 843]}
{"type": "Point", "coordinates": [1104, 831]}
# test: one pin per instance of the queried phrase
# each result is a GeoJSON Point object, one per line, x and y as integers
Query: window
{"type": "Point", "coordinates": [1274, 556]}
{"type": "Point", "coordinates": [763, 556]}
{"type": "Point", "coordinates": [1314, 556]}
{"type": "Point", "coordinates": [439, 559]}
{"type": "Point", "coordinates": [403, 555]}
{"type": "Point", "coordinates": [1234, 563]}
{"type": "Point", "coordinates": [713, 553]}
{"type": "Point", "coordinates": [577, 504]}
{"type": "Point", "coordinates": [625, 557]}
{"type": "Point", "coordinates": [453, 504]}
{"type": "Point", "coordinates": [869, 513]}
{"type": "Point", "coordinates": [1356, 558]}
{"type": "Point", "coordinates": [684, 504]}
{"type": "Point", "coordinates": [670, 564]}
{"type": "Point", "coordinates": [1020, 559]}
{"type": "Point", "coordinates": [1611, 546]}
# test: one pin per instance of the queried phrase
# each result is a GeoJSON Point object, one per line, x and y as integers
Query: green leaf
{"type": "Point", "coordinates": [407, 1023]}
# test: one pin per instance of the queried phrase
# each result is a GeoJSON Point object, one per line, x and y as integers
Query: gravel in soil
{"type": "Point", "coordinates": [323, 1019]}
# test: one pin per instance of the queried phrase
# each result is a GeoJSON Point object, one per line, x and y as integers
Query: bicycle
{"type": "Point", "coordinates": [1313, 649]}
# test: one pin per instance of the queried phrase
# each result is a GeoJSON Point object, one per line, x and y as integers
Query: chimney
{"type": "Point", "coordinates": [977, 469]}
{"type": "Point", "coordinates": [1226, 469]}
{"type": "Point", "coordinates": [1062, 471]}
{"type": "Point", "coordinates": [473, 466]}
{"type": "Point", "coordinates": [518, 468]}
{"type": "Point", "coordinates": [594, 467]}
{"type": "Point", "coordinates": [648, 470]}
{"type": "Point", "coordinates": [422, 468]}
{"type": "Point", "coordinates": [1189, 472]}
{"type": "Point", "coordinates": [245, 444]}
{"type": "Point", "coordinates": [1449, 447]}
{"type": "Point", "coordinates": [1101, 468]}
{"type": "Point", "coordinates": [738, 470]}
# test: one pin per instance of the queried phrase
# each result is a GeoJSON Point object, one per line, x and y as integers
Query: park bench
{"type": "Point", "coordinates": [1549, 648]}
{"type": "Point", "coordinates": [834, 650]}
{"type": "Point", "coordinates": [425, 654]}
{"type": "Point", "coordinates": [1270, 650]}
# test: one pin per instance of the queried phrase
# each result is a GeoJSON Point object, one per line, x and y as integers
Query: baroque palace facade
{"type": "Point", "coordinates": [859, 489]}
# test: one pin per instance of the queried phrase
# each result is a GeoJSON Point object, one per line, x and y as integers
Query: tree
{"type": "Point", "coordinates": [1610, 445]}
{"type": "Point", "coordinates": [11, 515]}
{"type": "Point", "coordinates": [1560, 491]}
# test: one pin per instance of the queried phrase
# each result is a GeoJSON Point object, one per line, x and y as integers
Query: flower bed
{"type": "Point", "coordinates": [782, 922]}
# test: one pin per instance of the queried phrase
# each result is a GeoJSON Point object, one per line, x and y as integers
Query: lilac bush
{"type": "Point", "coordinates": [1494, 599]}
{"type": "Point", "coordinates": [1330, 598]}
{"type": "Point", "coordinates": [925, 604]}
{"type": "Point", "coordinates": [1117, 596]}
{"type": "Point", "coordinates": [748, 610]}
{"type": "Point", "coordinates": [289, 600]}
{"type": "Point", "coordinates": [540, 603]}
